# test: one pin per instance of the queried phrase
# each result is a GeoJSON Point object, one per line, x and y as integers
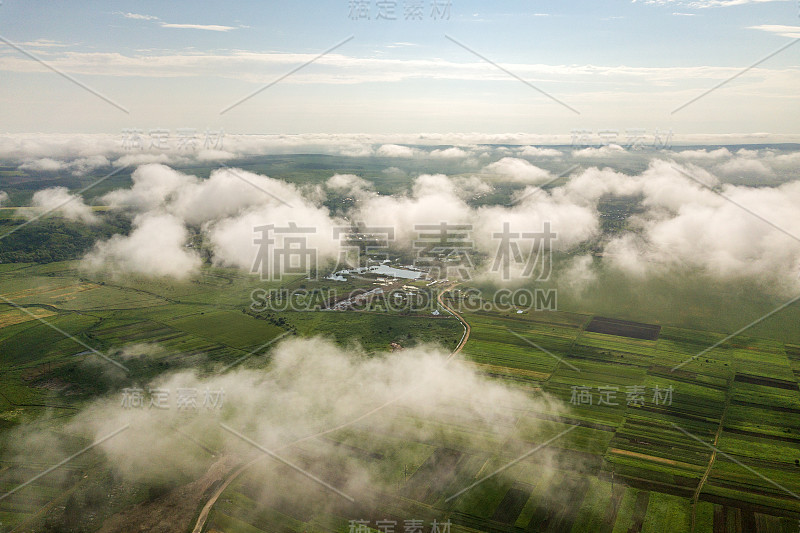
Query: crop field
{"type": "Point", "coordinates": [623, 328]}
{"type": "Point", "coordinates": [645, 464]}
{"type": "Point", "coordinates": [52, 313]}
{"type": "Point", "coordinates": [333, 267]}
{"type": "Point", "coordinates": [632, 447]}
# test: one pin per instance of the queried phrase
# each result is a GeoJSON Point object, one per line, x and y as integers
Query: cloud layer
{"type": "Point", "coordinates": [321, 402]}
{"type": "Point", "coordinates": [679, 224]}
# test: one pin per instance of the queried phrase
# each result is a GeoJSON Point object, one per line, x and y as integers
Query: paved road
{"type": "Point", "coordinates": [203, 517]}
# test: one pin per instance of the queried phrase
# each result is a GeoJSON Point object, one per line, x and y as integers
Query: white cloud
{"type": "Point", "coordinates": [437, 199]}
{"type": "Point", "coordinates": [341, 69]}
{"type": "Point", "coordinates": [27, 147]}
{"type": "Point", "coordinates": [45, 164]}
{"type": "Point", "coordinates": [87, 164]}
{"type": "Point", "coordinates": [753, 166]}
{"type": "Point", "coordinates": [137, 16]}
{"type": "Point", "coordinates": [579, 274]}
{"type": "Point", "coordinates": [687, 227]}
{"type": "Point", "coordinates": [535, 151]}
{"type": "Point", "coordinates": [393, 172]}
{"type": "Point", "coordinates": [228, 192]}
{"type": "Point", "coordinates": [720, 153]}
{"type": "Point", "coordinates": [784, 31]}
{"type": "Point", "coordinates": [348, 183]}
{"type": "Point", "coordinates": [60, 201]}
{"type": "Point", "coordinates": [609, 151]}
{"type": "Point", "coordinates": [433, 199]}
{"type": "Point", "coordinates": [395, 150]}
{"type": "Point", "coordinates": [312, 386]}
{"type": "Point", "coordinates": [519, 170]}
{"type": "Point", "coordinates": [215, 155]}
{"type": "Point", "coordinates": [232, 238]}
{"type": "Point", "coordinates": [153, 186]}
{"type": "Point", "coordinates": [449, 153]}
{"type": "Point", "coordinates": [3, 197]}
{"type": "Point", "coordinates": [227, 207]}
{"type": "Point", "coordinates": [207, 27]}
{"type": "Point", "coordinates": [154, 248]}
{"type": "Point", "coordinates": [43, 43]}
{"type": "Point", "coordinates": [77, 166]}
{"type": "Point", "coordinates": [472, 186]}
{"type": "Point", "coordinates": [145, 158]}
{"type": "Point", "coordinates": [742, 167]}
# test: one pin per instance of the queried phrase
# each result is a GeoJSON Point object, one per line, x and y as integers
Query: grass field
{"type": "Point", "coordinates": [641, 465]}
{"type": "Point", "coordinates": [632, 460]}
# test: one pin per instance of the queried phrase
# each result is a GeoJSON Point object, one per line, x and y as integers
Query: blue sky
{"type": "Point", "coordinates": [619, 64]}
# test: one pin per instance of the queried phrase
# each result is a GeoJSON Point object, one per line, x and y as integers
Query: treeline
{"type": "Point", "coordinates": [55, 239]}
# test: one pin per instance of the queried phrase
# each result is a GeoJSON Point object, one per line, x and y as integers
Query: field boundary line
{"type": "Point", "coordinates": [65, 461]}
{"type": "Point", "coordinates": [696, 497]}
{"type": "Point", "coordinates": [738, 462]}
{"type": "Point", "coordinates": [737, 332]}
{"type": "Point", "coordinates": [286, 462]}
{"type": "Point", "coordinates": [65, 334]}
{"type": "Point", "coordinates": [512, 463]}
{"type": "Point", "coordinates": [206, 510]}
{"type": "Point", "coordinates": [543, 350]}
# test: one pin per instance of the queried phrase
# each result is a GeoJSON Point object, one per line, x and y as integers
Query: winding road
{"type": "Point", "coordinates": [206, 510]}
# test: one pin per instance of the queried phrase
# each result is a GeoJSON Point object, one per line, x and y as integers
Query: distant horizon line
{"type": "Point", "coordinates": [564, 140]}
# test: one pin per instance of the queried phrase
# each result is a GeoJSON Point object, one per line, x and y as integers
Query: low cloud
{"type": "Point", "coordinates": [67, 148]}
{"type": "Point", "coordinates": [535, 151]}
{"type": "Point", "coordinates": [578, 275]}
{"type": "Point", "coordinates": [59, 201]}
{"type": "Point", "coordinates": [77, 166]}
{"type": "Point", "coordinates": [703, 154]}
{"type": "Point", "coordinates": [142, 350]}
{"type": "Point", "coordinates": [687, 227]}
{"type": "Point", "coordinates": [746, 168]}
{"type": "Point", "coordinates": [449, 153]}
{"type": "Point", "coordinates": [609, 151]}
{"type": "Point", "coordinates": [395, 150]}
{"type": "Point", "coordinates": [348, 183]}
{"type": "Point", "coordinates": [225, 209]}
{"type": "Point", "coordinates": [518, 170]}
{"type": "Point", "coordinates": [156, 247]}
{"type": "Point", "coordinates": [43, 165]}
{"type": "Point", "coordinates": [312, 387]}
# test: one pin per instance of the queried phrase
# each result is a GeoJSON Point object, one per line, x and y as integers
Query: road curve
{"type": "Point", "coordinates": [204, 513]}
{"type": "Point", "coordinates": [458, 317]}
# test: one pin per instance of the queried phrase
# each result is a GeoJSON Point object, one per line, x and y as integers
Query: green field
{"type": "Point", "coordinates": [623, 466]}
{"type": "Point", "coordinates": [640, 464]}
